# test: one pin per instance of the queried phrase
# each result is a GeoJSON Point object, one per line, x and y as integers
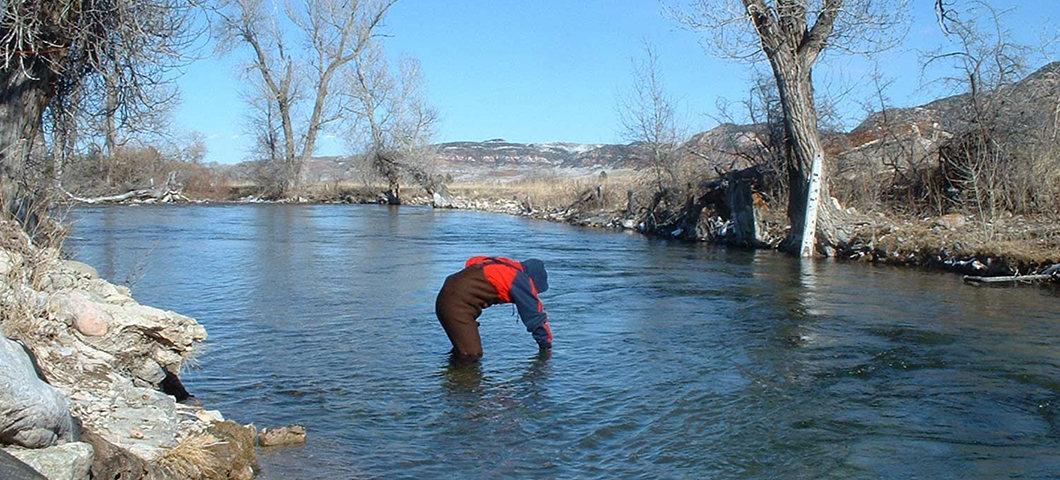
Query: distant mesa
{"type": "Point", "coordinates": [922, 129]}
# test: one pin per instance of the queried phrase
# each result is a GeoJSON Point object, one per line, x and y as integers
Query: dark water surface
{"type": "Point", "coordinates": [671, 361]}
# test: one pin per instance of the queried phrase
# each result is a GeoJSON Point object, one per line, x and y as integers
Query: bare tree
{"type": "Point", "coordinates": [193, 147]}
{"type": "Point", "coordinates": [792, 35]}
{"type": "Point", "coordinates": [332, 34]}
{"type": "Point", "coordinates": [116, 122]}
{"type": "Point", "coordinates": [761, 109]}
{"type": "Point", "coordinates": [648, 116]}
{"type": "Point", "coordinates": [1005, 145]}
{"type": "Point", "coordinates": [262, 124]}
{"type": "Point", "coordinates": [395, 121]}
{"type": "Point", "coordinates": [50, 49]}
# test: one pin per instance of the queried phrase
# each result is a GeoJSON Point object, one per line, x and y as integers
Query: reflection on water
{"type": "Point", "coordinates": [670, 360]}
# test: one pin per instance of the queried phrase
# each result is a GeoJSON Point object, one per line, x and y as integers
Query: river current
{"type": "Point", "coordinates": [670, 360]}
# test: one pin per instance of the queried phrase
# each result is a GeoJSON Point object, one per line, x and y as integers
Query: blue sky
{"type": "Point", "coordinates": [552, 70]}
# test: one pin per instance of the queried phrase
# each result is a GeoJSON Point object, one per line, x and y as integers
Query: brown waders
{"type": "Point", "coordinates": [459, 304]}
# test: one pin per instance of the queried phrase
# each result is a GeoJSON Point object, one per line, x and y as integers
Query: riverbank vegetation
{"type": "Point", "coordinates": [987, 154]}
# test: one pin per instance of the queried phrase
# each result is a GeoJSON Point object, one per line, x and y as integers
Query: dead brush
{"type": "Point", "coordinates": [33, 244]}
{"type": "Point", "coordinates": [191, 458]}
{"type": "Point", "coordinates": [550, 192]}
{"type": "Point", "coordinates": [18, 312]}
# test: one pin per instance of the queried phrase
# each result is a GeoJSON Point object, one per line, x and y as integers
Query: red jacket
{"type": "Point", "coordinates": [520, 283]}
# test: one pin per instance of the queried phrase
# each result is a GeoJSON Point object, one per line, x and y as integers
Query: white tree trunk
{"type": "Point", "coordinates": [813, 200]}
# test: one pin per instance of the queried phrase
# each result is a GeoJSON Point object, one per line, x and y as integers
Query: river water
{"type": "Point", "coordinates": [671, 360]}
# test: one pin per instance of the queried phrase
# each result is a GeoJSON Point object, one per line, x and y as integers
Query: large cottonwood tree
{"type": "Point", "coordinates": [51, 49]}
{"type": "Point", "coordinates": [296, 57]}
{"type": "Point", "coordinates": [792, 35]}
{"type": "Point", "coordinates": [391, 113]}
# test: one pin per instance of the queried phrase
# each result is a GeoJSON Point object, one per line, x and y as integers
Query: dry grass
{"type": "Point", "coordinates": [552, 192]}
{"type": "Point", "coordinates": [545, 191]}
{"type": "Point", "coordinates": [32, 256]}
{"type": "Point", "coordinates": [344, 188]}
{"type": "Point", "coordinates": [1019, 240]}
{"type": "Point", "coordinates": [191, 458]}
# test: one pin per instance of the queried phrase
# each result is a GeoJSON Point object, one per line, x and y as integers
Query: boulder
{"type": "Point", "coordinates": [441, 201]}
{"type": "Point", "coordinates": [209, 416]}
{"type": "Point", "coordinates": [141, 420]}
{"type": "Point", "coordinates": [8, 261]}
{"type": "Point", "coordinates": [110, 293]}
{"type": "Point", "coordinates": [70, 461]}
{"type": "Point", "coordinates": [15, 469]}
{"type": "Point", "coordinates": [79, 269]}
{"type": "Point", "coordinates": [149, 371]}
{"type": "Point", "coordinates": [81, 309]}
{"type": "Point", "coordinates": [112, 461]}
{"type": "Point", "coordinates": [117, 325]}
{"type": "Point", "coordinates": [236, 448]}
{"type": "Point", "coordinates": [952, 221]}
{"type": "Point", "coordinates": [58, 281]}
{"type": "Point", "coordinates": [33, 414]}
{"type": "Point", "coordinates": [282, 436]}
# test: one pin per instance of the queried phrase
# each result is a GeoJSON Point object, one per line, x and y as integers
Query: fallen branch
{"type": "Point", "coordinates": [111, 198]}
{"type": "Point", "coordinates": [165, 193]}
{"type": "Point", "coordinates": [1014, 278]}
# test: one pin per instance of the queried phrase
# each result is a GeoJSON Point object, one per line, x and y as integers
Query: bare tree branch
{"type": "Point", "coordinates": [333, 33]}
{"type": "Point", "coordinates": [67, 49]}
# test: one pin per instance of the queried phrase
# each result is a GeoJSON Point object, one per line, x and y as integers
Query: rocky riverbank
{"type": "Point", "coordinates": [89, 379]}
{"type": "Point", "coordinates": [1010, 246]}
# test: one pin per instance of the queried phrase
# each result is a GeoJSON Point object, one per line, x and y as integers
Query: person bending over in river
{"type": "Point", "coordinates": [487, 281]}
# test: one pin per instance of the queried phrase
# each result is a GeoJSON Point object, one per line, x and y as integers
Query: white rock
{"type": "Point", "coordinates": [58, 281]}
{"type": "Point", "coordinates": [209, 416]}
{"type": "Point", "coordinates": [80, 269]}
{"type": "Point", "coordinates": [149, 371]}
{"type": "Point", "coordinates": [70, 461]}
{"type": "Point", "coordinates": [7, 262]}
{"type": "Point", "coordinates": [952, 221]}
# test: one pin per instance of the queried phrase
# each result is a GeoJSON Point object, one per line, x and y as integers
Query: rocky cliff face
{"type": "Point", "coordinates": [911, 137]}
{"type": "Point", "coordinates": [107, 358]}
{"type": "Point", "coordinates": [500, 159]}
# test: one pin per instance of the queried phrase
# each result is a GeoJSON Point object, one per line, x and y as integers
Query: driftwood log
{"type": "Point", "coordinates": [170, 191]}
{"type": "Point", "coordinates": [1051, 274]}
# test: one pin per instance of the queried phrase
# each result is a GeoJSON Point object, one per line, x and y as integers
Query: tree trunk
{"type": "Point", "coordinates": [393, 193]}
{"type": "Point", "coordinates": [22, 102]}
{"type": "Point", "coordinates": [291, 174]}
{"type": "Point", "coordinates": [110, 127]}
{"type": "Point", "coordinates": [389, 169]}
{"type": "Point", "coordinates": [806, 169]}
{"type": "Point", "coordinates": [747, 228]}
